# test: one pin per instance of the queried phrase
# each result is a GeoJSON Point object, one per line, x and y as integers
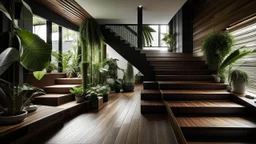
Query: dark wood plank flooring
{"type": "Point", "coordinates": [118, 122]}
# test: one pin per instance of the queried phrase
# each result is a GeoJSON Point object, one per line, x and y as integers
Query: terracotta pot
{"type": "Point", "coordinates": [7, 120]}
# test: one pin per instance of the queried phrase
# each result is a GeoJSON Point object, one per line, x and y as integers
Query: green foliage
{"type": "Point", "coordinates": [215, 47]}
{"type": "Point", "coordinates": [39, 74]}
{"type": "Point", "coordinates": [170, 40]}
{"type": "Point", "coordinates": [77, 91]}
{"type": "Point", "coordinates": [137, 78]}
{"type": "Point", "coordinates": [110, 68]}
{"type": "Point", "coordinates": [7, 58]}
{"type": "Point", "coordinates": [146, 35]}
{"type": "Point", "coordinates": [14, 99]}
{"type": "Point", "coordinates": [238, 76]}
{"type": "Point", "coordinates": [129, 74]}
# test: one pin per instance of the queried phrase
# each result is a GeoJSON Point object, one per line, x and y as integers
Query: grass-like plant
{"type": "Point", "coordinates": [238, 76]}
{"type": "Point", "coordinates": [215, 47]}
{"type": "Point", "coordinates": [129, 74]}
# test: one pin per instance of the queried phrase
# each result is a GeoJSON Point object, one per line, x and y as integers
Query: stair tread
{"type": "Point", "coordinates": [152, 103]}
{"type": "Point", "coordinates": [181, 69]}
{"type": "Point", "coordinates": [53, 95]}
{"type": "Point", "coordinates": [216, 122]}
{"type": "Point", "coordinates": [205, 103]}
{"type": "Point", "coordinates": [195, 92]}
{"type": "Point", "coordinates": [189, 82]}
{"type": "Point", "coordinates": [70, 104]}
{"type": "Point", "coordinates": [150, 92]}
{"type": "Point", "coordinates": [61, 86]}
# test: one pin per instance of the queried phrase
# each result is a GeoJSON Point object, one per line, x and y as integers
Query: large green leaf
{"type": "Point", "coordinates": [39, 74]}
{"type": "Point", "coordinates": [36, 53]}
{"type": "Point", "coordinates": [7, 57]}
{"type": "Point", "coordinates": [234, 56]}
{"type": "Point", "coordinates": [4, 10]}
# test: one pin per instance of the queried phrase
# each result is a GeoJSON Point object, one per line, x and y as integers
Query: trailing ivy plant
{"type": "Point", "coordinates": [31, 52]}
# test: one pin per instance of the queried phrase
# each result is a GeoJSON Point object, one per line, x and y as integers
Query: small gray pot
{"type": "Point", "coordinates": [8, 120]}
{"type": "Point", "coordinates": [238, 87]}
{"type": "Point", "coordinates": [79, 99]}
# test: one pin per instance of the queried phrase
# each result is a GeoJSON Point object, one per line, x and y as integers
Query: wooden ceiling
{"type": "Point", "coordinates": [68, 9]}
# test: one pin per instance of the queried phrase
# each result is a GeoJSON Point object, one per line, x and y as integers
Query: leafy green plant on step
{"type": "Point", "coordinates": [170, 40]}
{"type": "Point", "coordinates": [77, 91]}
{"type": "Point", "coordinates": [215, 47]}
{"type": "Point", "coordinates": [30, 51]}
{"type": "Point", "coordinates": [14, 99]}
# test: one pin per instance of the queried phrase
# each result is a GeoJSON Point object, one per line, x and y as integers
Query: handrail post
{"type": "Point", "coordinates": [140, 19]}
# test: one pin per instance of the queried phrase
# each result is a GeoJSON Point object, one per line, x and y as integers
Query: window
{"type": "Point", "coordinates": [157, 36]}
{"type": "Point", "coordinates": [39, 27]}
{"type": "Point", "coordinates": [246, 36]}
{"type": "Point", "coordinates": [164, 29]}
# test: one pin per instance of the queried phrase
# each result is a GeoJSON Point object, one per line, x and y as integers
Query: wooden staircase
{"type": "Point", "coordinates": [59, 94]}
{"type": "Point", "coordinates": [200, 110]}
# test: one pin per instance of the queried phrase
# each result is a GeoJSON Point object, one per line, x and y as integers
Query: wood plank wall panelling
{"type": "Point", "coordinates": [68, 9]}
{"type": "Point", "coordinates": [216, 15]}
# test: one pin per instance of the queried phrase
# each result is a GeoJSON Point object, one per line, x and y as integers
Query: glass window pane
{"type": "Point", "coordinates": [39, 27]}
{"type": "Point", "coordinates": [164, 29]}
{"type": "Point", "coordinates": [55, 42]}
{"type": "Point", "coordinates": [155, 35]}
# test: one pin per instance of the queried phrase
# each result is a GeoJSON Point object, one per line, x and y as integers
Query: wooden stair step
{"type": "Point", "coordinates": [232, 129]}
{"type": "Point", "coordinates": [61, 89]}
{"type": "Point", "coordinates": [150, 85]}
{"type": "Point", "coordinates": [206, 107]}
{"type": "Point", "coordinates": [176, 59]}
{"type": "Point", "coordinates": [186, 95]}
{"type": "Point", "coordinates": [182, 72]}
{"type": "Point", "coordinates": [150, 106]}
{"type": "Point", "coordinates": [151, 95]}
{"type": "Point", "coordinates": [54, 99]}
{"type": "Point", "coordinates": [73, 108]}
{"type": "Point", "coordinates": [68, 81]}
{"type": "Point", "coordinates": [191, 85]}
{"type": "Point", "coordinates": [184, 77]}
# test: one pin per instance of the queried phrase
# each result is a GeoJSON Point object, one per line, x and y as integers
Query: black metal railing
{"type": "Point", "coordinates": [126, 32]}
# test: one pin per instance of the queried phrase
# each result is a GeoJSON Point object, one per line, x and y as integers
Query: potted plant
{"type": "Point", "coordinates": [118, 85]}
{"type": "Point", "coordinates": [31, 52]}
{"type": "Point", "coordinates": [78, 93]}
{"type": "Point", "coordinates": [50, 68]}
{"type": "Point", "coordinates": [14, 101]}
{"type": "Point", "coordinates": [170, 40]}
{"type": "Point", "coordinates": [103, 91]}
{"type": "Point", "coordinates": [238, 80]}
{"type": "Point", "coordinates": [128, 85]}
{"type": "Point", "coordinates": [93, 96]}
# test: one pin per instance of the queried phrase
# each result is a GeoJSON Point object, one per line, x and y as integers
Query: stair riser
{"type": "Point", "coordinates": [191, 87]}
{"type": "Point", "coordinates": [68, 81]}
{"type": "Point", "coordinates": [151, 97]}
{"type": "Point", "coordinates": [183, 63]}
{"type": "Point", "coordinates": [174, 60]}
{"type": "Point", "coordinates": [57, 90]}
{"type": "Point", "coordinates": [187, 97]}
{"type": "Point", "coordinates": [208, 111]}
{"type": "Point", "coordinates": [54, 101]}
{"type": "Point", "coordinates": [188, 72]}
{"type": "Point", "coordinates": [153, 109]}
{"type": "Point", "coordinates": [184, 78]}
{"type": "Point", "coordinates": [219, 134]}
{"type": "Point", "coordinates": [150, 86]}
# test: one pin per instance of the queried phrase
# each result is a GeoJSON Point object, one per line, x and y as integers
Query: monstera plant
{"type": "Point", "coordinates": [25, 48]}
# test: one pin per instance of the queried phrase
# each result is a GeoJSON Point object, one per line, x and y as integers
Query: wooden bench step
{"type": "Point", "coordinates": [68, 81]}
{"type": "Point", "coordinates": [152, 107]}
{"type": "Point", "coordinates": [184, 77]}
{"type": "Point", "coordinates": [60, 89]}
{"type": "Point", "coordinates": [206, 108]}
{"type": "Point", "coordinates": [191, 85]}
{"type": "Point", "coordinates": [54, 99]}
{"type": "Point", "coordinates": [230, 129]}
{"type": "Point", "coordinates": [182, 72]}
{"type": "Point", "coordinates": [176, 59]}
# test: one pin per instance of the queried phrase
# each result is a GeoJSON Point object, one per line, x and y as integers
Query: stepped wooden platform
{"type": "Point", "coordinates": [200, 110]}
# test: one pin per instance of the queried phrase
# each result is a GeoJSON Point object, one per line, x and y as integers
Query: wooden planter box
{"type": "Point", "coordinates": [97, 104]}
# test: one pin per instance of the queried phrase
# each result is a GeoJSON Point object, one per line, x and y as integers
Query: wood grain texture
{"type": "Point", "coordinates": [214, 16]}
{"type": "Point", "coordinates": [119, 121]}
{"type": "Point", "coordinates": [68, 9]}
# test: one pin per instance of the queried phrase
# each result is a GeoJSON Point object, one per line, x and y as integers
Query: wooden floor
{"type": "Point", "coordinates": [118, 122]}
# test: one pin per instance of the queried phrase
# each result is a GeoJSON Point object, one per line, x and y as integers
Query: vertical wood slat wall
{"type": "Point", "coordinates": [216, 15]}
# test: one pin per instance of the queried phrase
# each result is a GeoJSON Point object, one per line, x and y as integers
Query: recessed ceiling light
{"type": "Point", "coordinates": [140, 6]}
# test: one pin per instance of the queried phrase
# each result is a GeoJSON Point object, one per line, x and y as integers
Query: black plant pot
{"type": "Point", "coordinates": [94, 102]}
{"type": "Point", "coordinates": [128, 87]}
{"type": "Point", "coordinates": [105, 98]}
{"type": "Point", "coordinates": [117, 90]}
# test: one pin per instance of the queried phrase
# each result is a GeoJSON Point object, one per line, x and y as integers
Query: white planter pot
{"type": "Point", "coordinates": [238, 87]}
